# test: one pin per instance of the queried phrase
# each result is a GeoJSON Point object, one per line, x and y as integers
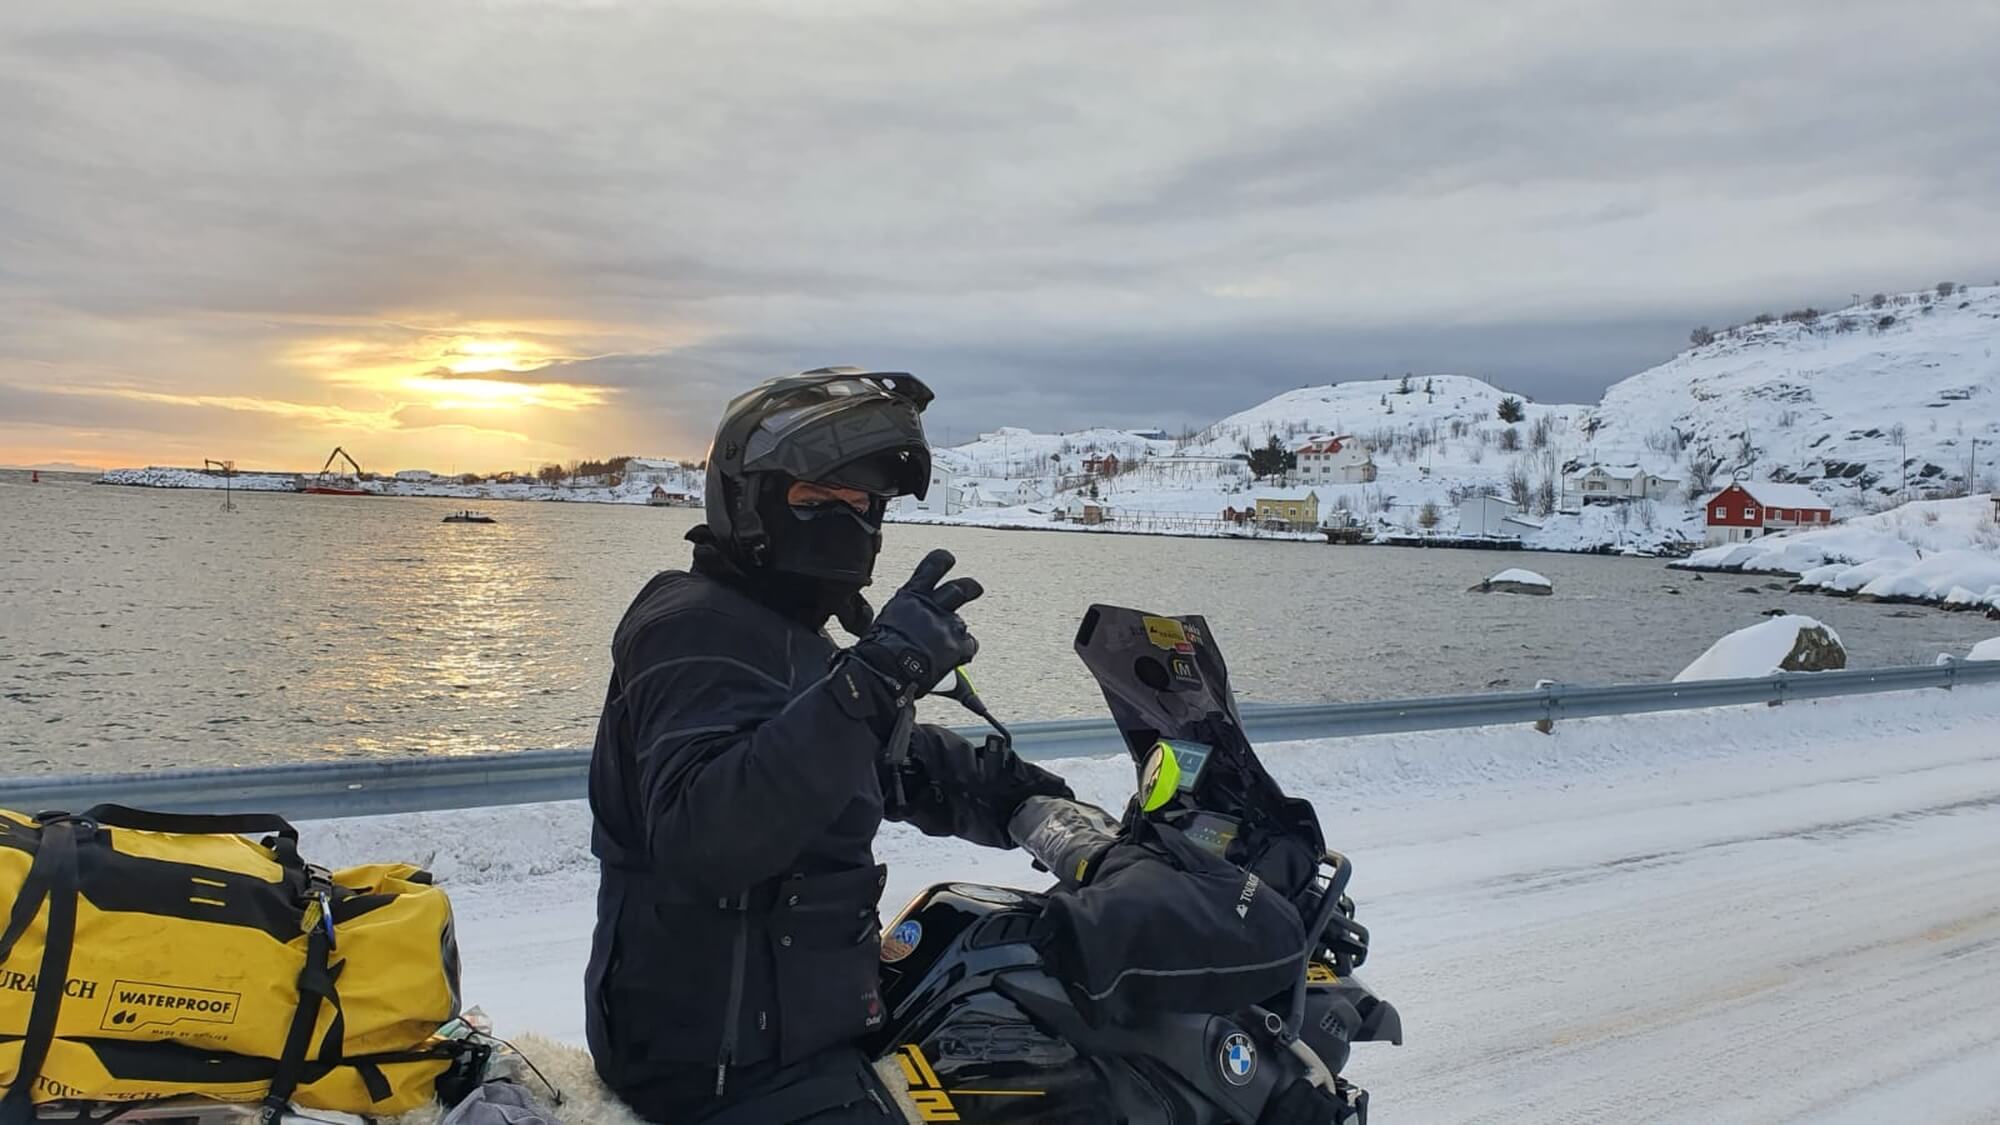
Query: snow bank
{"type": "Point", "coordinates": [1986, 650]}
{"type": "Point", "coordinates": [1758, 650]}
{"type": "Point", "coordinates": [1945, 552]}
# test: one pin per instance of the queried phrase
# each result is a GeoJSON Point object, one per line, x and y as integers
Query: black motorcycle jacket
{"type": "Point", "coordinates": [736, 790]}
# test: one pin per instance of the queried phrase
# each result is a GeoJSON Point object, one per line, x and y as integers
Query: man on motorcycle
{"type": "Point", "coordinates": [743, 763]}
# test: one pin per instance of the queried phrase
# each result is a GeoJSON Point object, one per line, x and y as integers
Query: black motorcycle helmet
{"type": "Point", "coordinates": [834, 425]}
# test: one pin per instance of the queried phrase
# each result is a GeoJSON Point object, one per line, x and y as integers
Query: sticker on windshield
{"type": "Point", "coordinates": [1165, 632]}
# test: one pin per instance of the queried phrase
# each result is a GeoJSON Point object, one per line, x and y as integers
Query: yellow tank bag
{"type": "Point", "coordinates": [151, 955]}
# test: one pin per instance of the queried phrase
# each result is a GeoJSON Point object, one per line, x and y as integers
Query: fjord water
{"type": "Point", "coordinates": [147, 628]}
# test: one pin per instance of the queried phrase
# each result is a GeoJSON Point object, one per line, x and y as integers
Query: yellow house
{"type": "Point", "coordinates": [1289, 512]}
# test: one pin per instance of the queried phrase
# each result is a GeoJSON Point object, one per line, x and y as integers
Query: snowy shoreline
{"type": "Point", "coordinates": [156, 476]}
{"type": "Point", "coordinates": [1942, 553]}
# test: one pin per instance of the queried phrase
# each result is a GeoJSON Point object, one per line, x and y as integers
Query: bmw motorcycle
{"type": "Point", "coordinates": [987, 1031]}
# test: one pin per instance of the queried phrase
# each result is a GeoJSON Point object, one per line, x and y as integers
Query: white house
{"type": "Point", "coordinates": [645, 470]}
{"type": "Point", "coordinates": [1493, 517]}
{"type": "Point", "coordinates": [1344, 459]}
{"type": "Point", "coordinates": [415, 474]}
{"type": "Point", "coordinates": [1028, 492]}
{"type": "Point", "coordinates": [944, 497]}
{"type": "Point", "coordinates": [1606, 484]}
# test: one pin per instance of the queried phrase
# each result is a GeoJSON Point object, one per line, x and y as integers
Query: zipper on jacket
{"type": "Point", "coordinates": [730, 1015]}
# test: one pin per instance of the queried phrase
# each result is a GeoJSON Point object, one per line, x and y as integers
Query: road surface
{"type": "Point", "coordinates": [1743, 915]}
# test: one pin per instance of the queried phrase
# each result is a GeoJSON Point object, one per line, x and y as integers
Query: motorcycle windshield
{"type": "Point", "coordinates": [1162, 676]}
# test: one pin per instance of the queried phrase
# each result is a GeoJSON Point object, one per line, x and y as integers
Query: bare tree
{"type": "Point", "coordinates": [1510, 439]}
{"type": "Point", "coordinates": [1702, 337]}
{"type": "Point", "coordinates": [1428, 516]}
{"type": "Point", "coordinates": [1701, 469]}
{"type": "Point", "coordinates": [1545, 496]}
{"type": "Point", "coordinates": [1900, 434]}
{"type": "Point", "coordinates": [1519, 488]}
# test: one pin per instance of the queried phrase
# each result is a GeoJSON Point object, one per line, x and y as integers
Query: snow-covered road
{"type": "Point", "coordinates": [1745, 915]}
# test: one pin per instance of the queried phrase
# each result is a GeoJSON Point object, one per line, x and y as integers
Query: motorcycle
{"type": "Point", "coordinates": [986, 1033]}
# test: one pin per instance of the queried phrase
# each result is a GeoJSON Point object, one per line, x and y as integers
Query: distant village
{"type": "Point", "coordinates": [1082, 491]}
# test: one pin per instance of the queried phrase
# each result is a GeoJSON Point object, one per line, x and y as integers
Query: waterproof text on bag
{"type": "Point", "coordinates": [149, 955]}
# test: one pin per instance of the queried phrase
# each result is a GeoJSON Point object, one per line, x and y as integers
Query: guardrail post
{"type": "Point", "coordinates": [1547, 723]}
{"type": "Point", "coordinates": [1780, 681]}
{"type": "Point", "coordinates": [1950, 663]}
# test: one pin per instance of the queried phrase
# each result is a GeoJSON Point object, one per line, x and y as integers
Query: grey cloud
{"type": "Point", "coordinates": [1123, 212]}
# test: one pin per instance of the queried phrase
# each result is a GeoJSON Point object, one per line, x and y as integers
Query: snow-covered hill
{"type": "Point", "coordinates": [1012, 453]}
{"type": "Point", "coordinates": [1844, 401]}
{"type": "Point", "coordinates": [1454, 414]}
{"type": "Point", "coordinates": [1435, 439]}
{"type": "Point", "coordinates": [1863, 404]}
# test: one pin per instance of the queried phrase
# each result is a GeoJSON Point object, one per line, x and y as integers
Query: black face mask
{"type": "Point", "coordinates": [829, 543]}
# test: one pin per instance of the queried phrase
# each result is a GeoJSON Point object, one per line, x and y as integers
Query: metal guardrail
{"type": "Point", "coordinates": [319, 790]}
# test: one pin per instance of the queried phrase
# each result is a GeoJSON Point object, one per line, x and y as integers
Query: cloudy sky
{"type": "Point", "coordinates": [482, 235]}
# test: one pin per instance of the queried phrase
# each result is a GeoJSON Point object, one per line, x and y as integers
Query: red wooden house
{"type": "Point", "coordinates": [1105, 466]}
{"type": "Point", "coordinates": [1748, 509]}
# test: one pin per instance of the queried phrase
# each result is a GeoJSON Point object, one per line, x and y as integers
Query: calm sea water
{"type": "Point", "coordinates": [144, 628]}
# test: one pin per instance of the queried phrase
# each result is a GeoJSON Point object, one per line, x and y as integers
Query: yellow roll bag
{"type": "Point", "coordinates": [152, 955]}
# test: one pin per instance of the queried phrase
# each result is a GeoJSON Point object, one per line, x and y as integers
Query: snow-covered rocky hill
{"type": "Point", "coordinates": [1847, 402]}
{"type": "Point", "coordinates": [1890, 398]}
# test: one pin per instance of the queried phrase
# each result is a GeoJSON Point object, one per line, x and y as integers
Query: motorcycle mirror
{"type": "Point", "coordinates": [1161, 778]}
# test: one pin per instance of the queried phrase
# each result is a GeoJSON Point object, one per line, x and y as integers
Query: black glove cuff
{"type": "Point", "coordinates": [906, 673]}
{"type": "Point", "coordinates": [862, 692]}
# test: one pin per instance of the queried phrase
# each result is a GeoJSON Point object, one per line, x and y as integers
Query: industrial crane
{"type": "Point", "coordinates": [209, 464]}
{"type": "Point", "coordinates": [340, 454]}
{"type": "Point", "coordinates": [326, 485]}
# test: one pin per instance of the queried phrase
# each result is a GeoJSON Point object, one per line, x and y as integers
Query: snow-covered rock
{"type": "Point", "coordinates": [1932, 579]}
{"type": "Point", "coordinates": [1515, 581]}
{"type": "Point", "coordinates": [1791, 643]}
{"type": "Point", "coordinates": [1986, 650]}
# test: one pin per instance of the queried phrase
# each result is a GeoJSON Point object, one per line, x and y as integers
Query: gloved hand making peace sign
{"type": "Point", "coordinates": [918, 638]}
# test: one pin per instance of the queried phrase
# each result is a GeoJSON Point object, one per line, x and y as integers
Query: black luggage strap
{"type": "Point", "coordinates": [193, 824]}
{"type": "Point", "coordinates": [315, 987]}
{"type": "Point", "coordinates": [52, 878]}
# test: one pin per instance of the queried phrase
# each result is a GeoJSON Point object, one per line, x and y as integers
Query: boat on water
{"type": "Point", "coordinates": [469, 516]}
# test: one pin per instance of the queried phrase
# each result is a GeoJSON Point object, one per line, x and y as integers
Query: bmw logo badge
{"type": "Point", "coordinates": [1238, 1059]}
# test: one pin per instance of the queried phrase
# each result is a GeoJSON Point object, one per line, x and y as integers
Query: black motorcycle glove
{"type": "Point", "coordinates": [918, 638]}
{"type": "Point", "coordinates": [952, 788]}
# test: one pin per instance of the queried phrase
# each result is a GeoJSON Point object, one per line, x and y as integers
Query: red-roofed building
{"type": "Point", "coordinates": [1344, 459]}
{"type": "Point", "coordinates": [1748, 509]}
{"type": "Point", "coordinates": [1105, 466]}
